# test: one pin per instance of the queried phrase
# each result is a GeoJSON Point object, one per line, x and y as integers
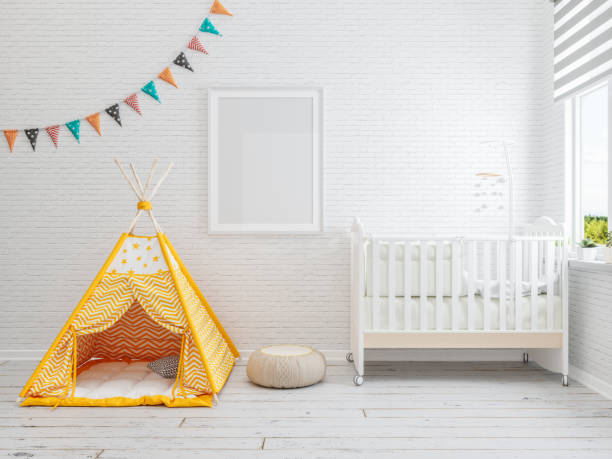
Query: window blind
{"type": "Point", "coordinates": [582, 44]}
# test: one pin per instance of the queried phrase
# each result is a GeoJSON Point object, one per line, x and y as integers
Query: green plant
{"type": "Point", "coordinates": [587, 243]}
{"type": "Point", "coordinates": [596, 228]}
{"type": "Point", "coordinates": [609, 239]}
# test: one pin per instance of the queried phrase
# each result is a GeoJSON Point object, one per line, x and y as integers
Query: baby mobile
{"type": "Point", "coordinates": [132, 100]}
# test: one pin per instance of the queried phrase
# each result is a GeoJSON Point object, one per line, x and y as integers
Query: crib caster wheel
{"type": "Point", "coordinates": [525, 358]}
{"type": "Point", "coordinates": [349, 357]}
{"type": "Point", "coordinates": [358, 380]}
{"type": "Point", "coordinates": [564, 381]}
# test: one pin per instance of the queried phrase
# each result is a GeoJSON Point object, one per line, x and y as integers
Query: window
{"type": "Point", "coordinates": [591, 159]}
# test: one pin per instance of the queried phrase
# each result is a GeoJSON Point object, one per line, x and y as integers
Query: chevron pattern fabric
{"type": "Point", "coordinates": [108, 302]}
{"type": "Point", "coordinates": [216, 350]}
{"type": "Point", "coordinates": [194, 380]}
{"type": "Point", "coordinates": [55, 378]}
{"type": "Point", "coordinates": [158, 296]}
{"type": "Point", "coordinates": [86, 348]}
{"type": "Point", "coordinates": [136, 336]}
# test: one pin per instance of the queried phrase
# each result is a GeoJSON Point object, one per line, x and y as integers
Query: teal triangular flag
{"type": "Point", "coordinates": [151, 90]}
{"type": "Point", "coordinates": [208, 26]}
{"type": "Point", "coordinates": [75, 127]}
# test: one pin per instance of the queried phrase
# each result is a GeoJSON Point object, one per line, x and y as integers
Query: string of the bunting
{"type": "Point", "coordinates": [113, 111]}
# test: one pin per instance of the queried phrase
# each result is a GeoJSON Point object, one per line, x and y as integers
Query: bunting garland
{"type": "Point", "coordinates": [166, 75]}
{"type": "Point", "coordinates": [94, 120]}
{"type": "Point", "coordinates": [113, 111]}
{"type": "Point", "coordinates": [75, 128]}
{"type": "Point", "coordinates": [195, 45]}
{"type": "Point", "coordinates": [11, 135]}
{"type": "Point", "coordinates": [32, 135]}
{"type": "Point", "coordinates": [132, 100]}
{"type": "Point", "coordinates": [218, 8]}
{"type": "Point", "coordinates": [208, 27]}
{"type": "Point", "coordinates": [151, 90]}
{"type": "Point", "coordinates": [181, 61]}
{"type": "Point", "coordinates": [53, 132]}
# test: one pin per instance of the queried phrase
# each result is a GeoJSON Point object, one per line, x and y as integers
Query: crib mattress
{"type": "Point", "coordinates": [415, 307]}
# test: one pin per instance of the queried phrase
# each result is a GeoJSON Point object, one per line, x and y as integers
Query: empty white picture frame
{"type": "Point", "coordinates": [264, 160]}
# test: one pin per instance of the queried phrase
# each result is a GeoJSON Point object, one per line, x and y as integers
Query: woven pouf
{"type": "Point", "coordinates": [286, 366]}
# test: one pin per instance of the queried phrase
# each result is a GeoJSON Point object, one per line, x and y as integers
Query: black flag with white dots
{"type": "Point", "coordinates": [32, 135]}
{"type": "Point", "coordinates": [181, 61]}
{"type": "Point", "coordinates": [113, 111]}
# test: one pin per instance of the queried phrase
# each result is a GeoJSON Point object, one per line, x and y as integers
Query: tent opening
{"type": "Point", "coordinates": [113, 363]}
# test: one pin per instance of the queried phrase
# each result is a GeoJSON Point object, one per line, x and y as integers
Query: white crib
{"type": "Point", "coordinates": [483, 292]}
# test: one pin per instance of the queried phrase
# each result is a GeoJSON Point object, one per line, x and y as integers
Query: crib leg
{"type": "Point", "coordinates": [564, 381]}
{"type": "Point", "coordinates": [525, 358]}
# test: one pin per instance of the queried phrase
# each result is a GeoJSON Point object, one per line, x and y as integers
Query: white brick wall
{"type": "Point", "coordinates": [590, 323]}
{"type": "Point", "coordinates": [411, 88]}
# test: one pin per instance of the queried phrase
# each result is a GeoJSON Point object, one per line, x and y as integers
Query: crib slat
{"type": "Point", "coordinates": [486, 272]}
{"type": "Point", "coordinates": [439, 283]}
{"type": "Point", "coordinates": [423, 285]}
{"type": "Point", "coordinates": [550, 283]}
{"type": "Point", "coordinates": [471, 268]}
{"type": "Point", "coordinates": [391, 286]}
{"type": "Point", "coordinates": [518, 280]}
{"type": "Point", "coordinates": [533, 280]}
{"type": "Point", "coordinates": [407, 285]}
{"type": "Point", "coordinates": [375, 284]}
{"type": "Point", "coordinates": [501, 279]}
{"type": "Point", "coordinates": [456, 272]}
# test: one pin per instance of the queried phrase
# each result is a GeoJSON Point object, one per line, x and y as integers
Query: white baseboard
{"type": "Point", "coordinates": [592, 382]}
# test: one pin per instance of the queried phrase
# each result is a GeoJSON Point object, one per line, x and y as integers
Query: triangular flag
{"type": "Point", "coordinates": [113, 111]}
{"type": "Point", "coordinates": [132, 101]}
{"type": "Point", "coordinates": [196, 45]}
{"type": "Point", "coordinates": [166, 75]}
{"type": "Point", "coordinates": [75, 127]}
{"type": "Point", "coordinates": [32, 135]}
{"type": "Point", "coordinates": [94, 120]}
{"type": "Point", "coordinates": [151, 90]}
{"type": "Point", "coordinates": [53, 132]}
{"type": "Point", "coordinates": [11, 135]}
{"type": "Point", "coordinates": [181, 61]}
{"type": "Point", "coordinates": [218, 8]}
{"type": "Point", "coordinates": [207, 26]}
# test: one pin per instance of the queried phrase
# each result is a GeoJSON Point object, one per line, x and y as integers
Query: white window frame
{"type": "Point", "coordinates": [573, 143]}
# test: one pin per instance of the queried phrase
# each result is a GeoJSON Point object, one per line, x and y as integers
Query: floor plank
{"type": "Point", "coordinates": [454, 409]}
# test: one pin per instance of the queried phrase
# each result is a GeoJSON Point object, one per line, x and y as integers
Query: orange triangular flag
{"type": "Point", "coordinates": [166, 75]}
{"type": "Point", "coordinates": [11, 135]}
{"type": "Point", "coordinates": [218, 8]}
{"type": "Point", "coordinates": [94, 120]}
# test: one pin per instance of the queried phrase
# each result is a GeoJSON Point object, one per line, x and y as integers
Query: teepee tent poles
{"type": "Point", "coordinates": [161, 180]}
{"type": "Point", "coordinates": [127, 178]}
{"type": "Point", "coordinates": [151, 174]}
{"type": "Point", "coordinates": [141, 192]}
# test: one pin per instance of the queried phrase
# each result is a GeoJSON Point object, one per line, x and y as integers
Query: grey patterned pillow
{"type": "Point", "coordinates": [166, 366]}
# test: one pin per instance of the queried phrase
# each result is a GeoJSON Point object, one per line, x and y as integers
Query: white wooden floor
{"type": "Point", "coordinates": [458, 410]}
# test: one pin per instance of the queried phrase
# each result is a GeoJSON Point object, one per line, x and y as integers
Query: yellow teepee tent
{"type": "Point", "coordinates": [143, 305]}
